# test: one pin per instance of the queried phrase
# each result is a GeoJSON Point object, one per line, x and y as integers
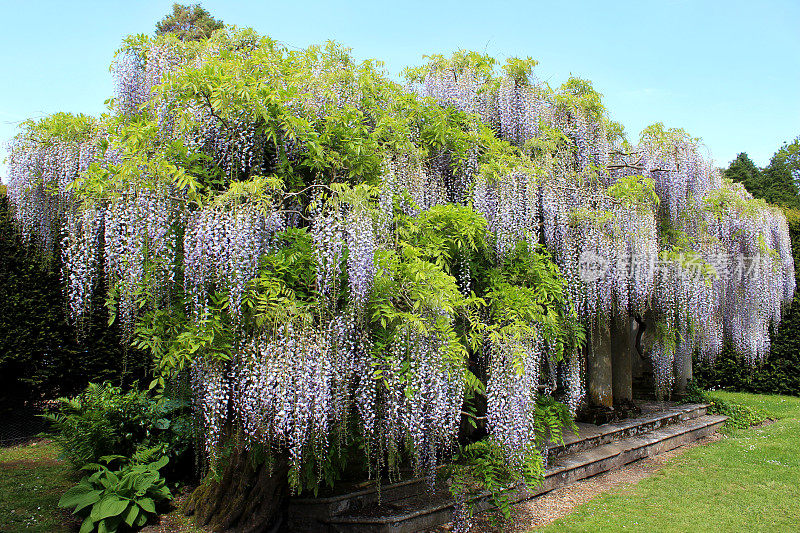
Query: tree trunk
{"type": "Point", "coordinates": [244, 498]}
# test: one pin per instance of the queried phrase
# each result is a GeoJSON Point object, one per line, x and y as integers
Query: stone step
{"type": "Point", "coordinates": [424, 510]}
{"type": "Point", "coordinates": [654, 415]}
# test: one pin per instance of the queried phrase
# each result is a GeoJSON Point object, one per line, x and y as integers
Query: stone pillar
{"type": "Point", "coordinates": [599, 367]}
{"type": "Point", "coordinates": [683, 369]}
{"type": "Point", "coordinates": [622, 331]}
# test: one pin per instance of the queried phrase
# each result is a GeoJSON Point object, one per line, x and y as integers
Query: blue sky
{"type": "Point", "coordinates": [726, 71]}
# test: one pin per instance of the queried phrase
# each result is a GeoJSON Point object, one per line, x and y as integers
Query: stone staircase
{"type": "Point", "coordinates": [411, 505]}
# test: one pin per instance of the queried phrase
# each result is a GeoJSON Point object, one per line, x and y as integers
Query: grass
{"type": "Point", "coordinates": [747, 481]}
{"type": "Point", "coordinates": [32, 480]}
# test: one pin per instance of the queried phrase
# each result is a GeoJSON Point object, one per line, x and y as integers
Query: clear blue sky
{"type": "Point", "coordinates": [726, 71]}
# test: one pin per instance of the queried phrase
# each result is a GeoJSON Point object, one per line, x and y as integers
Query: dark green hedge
{"type": "Point", "coordinates": [41, 356]}
{"type": "Point", "coordinates": [780, 373]}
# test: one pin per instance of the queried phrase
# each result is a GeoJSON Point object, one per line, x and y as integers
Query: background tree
{"type": "Point", "coordinates": [188, 23]}
{"type": "Point", "coordinates": [789, 155]}
{"type": "Point", "coordinates": [744, 171]}
{"type": "Point", "coordinates": [777, 182]}
{"type": "Point", "coordinates": [781, 176]}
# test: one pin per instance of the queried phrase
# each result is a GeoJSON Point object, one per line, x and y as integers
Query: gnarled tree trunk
{"type": "Point", "coordinates": [246, 498]}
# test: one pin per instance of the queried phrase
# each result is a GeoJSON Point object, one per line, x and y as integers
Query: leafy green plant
{"type": "Point", "coordinates": [110, 500]}
{"type": "Point", "coordinates": [104, 420]}
{"type": "Point", "coordinates": [551, 418]}
{"type": "Point", "coordinates": [739, 416]}
{"type": "Point", "coordinates": [486, 466]}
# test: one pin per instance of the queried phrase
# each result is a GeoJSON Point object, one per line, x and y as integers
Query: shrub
{"type": "Point", "coordinates": [739, 416]}
{"type": "Point", "coordinates": [109, 500]}
{"type": "Point", "coordinates": [104, 421]}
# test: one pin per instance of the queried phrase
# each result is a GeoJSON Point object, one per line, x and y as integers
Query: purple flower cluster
{"type": "Point", "coordinates": [360, 237]}
{"type": "Point", "coordinates": [39, 174]}
{"type": "Point", "coordinates": [79, 252]}
{"type": "Point", "coordinates": [510, 205]}
{"type": "Point", "coordinates": [328, 232]}
{"type": "Point", "coordinates": [140, 243]}
{"type": "Point", "coordinates": [514, 374]}
{"type": "Point", "coordinates": [423, 395]}
{"type": "Point", "coordinates": [138, 71]}
{"type": "Point", "coordinates": [211, 394]}
{"type": "Point", "coordinates": [222, 246]}
{"type": "Point", "coordinates": [283, 389]}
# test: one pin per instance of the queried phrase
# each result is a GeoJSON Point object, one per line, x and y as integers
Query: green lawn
{"type": "Point", "coordinates": [32, 480]}
{"type": "Point", "coordinates": [748, 481]}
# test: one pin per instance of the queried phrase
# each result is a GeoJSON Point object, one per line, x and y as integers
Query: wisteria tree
{"type": "Point", "coordinates": [340, 265]}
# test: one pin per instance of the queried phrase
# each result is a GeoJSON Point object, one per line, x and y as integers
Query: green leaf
{"type": "Point", "coordinates": [110, 505]}
{"type": "Point", "coordinates": [158, 465]}
{"type": "Point", "coordinates": [109, 525]}
{"type": "Point", "coordinates": [110, 480]}
{"type": "Point", "coordinates": [142, 520]}
{"type": "Point", "coordinates": [87, 526]}
{"type": "Point", "coordinates": [131, 514]}
{"type": "Point", "coordinates": [147, 504]}
{"type": "Point", "coordinates": [79, 496]}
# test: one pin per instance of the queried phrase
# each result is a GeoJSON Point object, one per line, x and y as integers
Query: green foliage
{"type": "Point", "coordinates": [461, 62]}
{"type": "Point", "coordinates": [635, 190]}
{"type": "Point", "coordinates": [780, 177]}
{"type": "Point", "coordinates": [520, 70]}
{"type": "Point", "coordinates": [743, 170]}
{"type": "Point", "coordinates": [667, 138]}
{"type": "Point", "coordinates": [551, 419]}
{"type": "Point", "coordinates": [740, 416]}
{"type": "Point", "coordinates": [188, 23]}
{"type": "Point", "coordinates": [777, 183]}
{"type": "Point", "coordinates": [285, 286]}
{"type": "Point", "coordinates": [579, 93]}
{"type": "Point", "coordinates": [526, 295]}
{"type": "Point", "coordinates": [174, 341]}
{"type": "Point", "coordinates": [59, 127]}
{"type": "Point", "coordinates": [485, 466]}
{"type": "Point", "coordinates": [104, 420]}
{"type": "Point", "coordinates": [110, 500]}
{"type": "Point", "coordinates": [447, 235]}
